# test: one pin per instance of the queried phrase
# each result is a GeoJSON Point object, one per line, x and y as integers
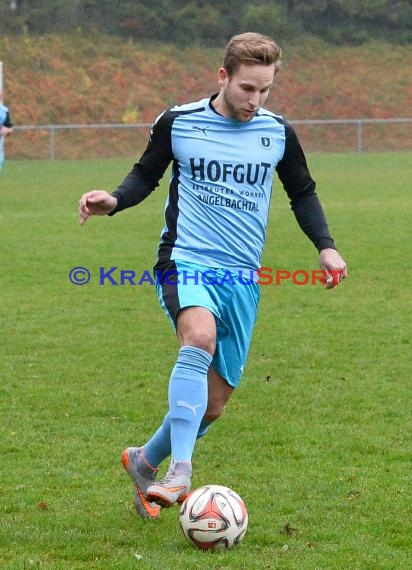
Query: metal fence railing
{"type": "Point", "coordinates": [364, 134]}
{"type": "Point", "coordinates": [125, 140]}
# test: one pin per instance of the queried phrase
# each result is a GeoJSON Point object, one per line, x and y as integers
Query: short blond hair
{"type": "Point", "coordinates": [250, 49]}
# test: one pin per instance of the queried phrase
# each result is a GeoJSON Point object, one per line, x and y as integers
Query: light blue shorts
{"type": "Point", "coordinates": [232, 298]}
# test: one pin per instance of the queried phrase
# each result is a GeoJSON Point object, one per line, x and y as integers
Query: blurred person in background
{"type": "Point", "coordinates": [6, 128]}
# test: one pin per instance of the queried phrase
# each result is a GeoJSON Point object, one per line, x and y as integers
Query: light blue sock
{"type": "Point", "coordinates": [203, 428]}
{"type": "Point", "coordinates": [187, 400]}
{"type": "Point", "coordinates": [158, 447]}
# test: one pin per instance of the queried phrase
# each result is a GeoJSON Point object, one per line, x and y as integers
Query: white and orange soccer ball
{"type": "Point", "coordinates": [212, 517]}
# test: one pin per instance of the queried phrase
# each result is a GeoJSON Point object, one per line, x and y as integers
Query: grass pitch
{"type": "Point", "coordinates": [317, 438]}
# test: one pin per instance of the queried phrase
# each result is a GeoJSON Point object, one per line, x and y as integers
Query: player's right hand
{"type": "Point", "coordinates": [96, 203]}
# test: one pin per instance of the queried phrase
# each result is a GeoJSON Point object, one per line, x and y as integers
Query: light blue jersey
{"type": "Point", "coordinates": [224, 175]}
{"type": "Point", "coordinates": [4, 113]}
{"type": "Point", "coordinates": [221, 184]}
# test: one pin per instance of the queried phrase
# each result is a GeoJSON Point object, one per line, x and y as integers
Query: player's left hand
{"type": "Point", "coordinates": [4, 131]}
{"type": "Point", "coordinates": [332, 263]}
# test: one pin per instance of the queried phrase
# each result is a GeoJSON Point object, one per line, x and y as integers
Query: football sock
{"type": "Point", "coordinates": [158, 447]}
{"type": "Point", "coordinates": [180, 468]}
{"type": "Point", "coordinates": [187, 400]}
{"type": "Point", "coordinates": [203, 428]}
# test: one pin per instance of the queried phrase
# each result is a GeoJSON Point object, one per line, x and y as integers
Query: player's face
{"type": "Point", "coordinates": [245, 91]}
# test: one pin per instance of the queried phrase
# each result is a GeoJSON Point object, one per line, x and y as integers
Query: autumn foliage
{"type": "Point", "coordinates": [70, 79]}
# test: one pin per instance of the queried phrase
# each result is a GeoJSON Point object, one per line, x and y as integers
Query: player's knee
{"type": "Point", "coordinates": [196, 326]}
{"type": "Point", "coordinates": [202, 339]}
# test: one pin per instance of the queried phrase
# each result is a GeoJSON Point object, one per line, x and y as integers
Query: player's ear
{"type": "Point", "coordinates": [223, 77]}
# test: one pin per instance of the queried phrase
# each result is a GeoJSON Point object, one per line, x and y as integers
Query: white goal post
{"type": "Point", "coordinates": [1, 82]}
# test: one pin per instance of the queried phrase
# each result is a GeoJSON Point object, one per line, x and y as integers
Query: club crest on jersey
{"type": "Point", "coordinates": [266, 142]}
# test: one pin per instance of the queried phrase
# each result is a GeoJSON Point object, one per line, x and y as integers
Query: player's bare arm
{"type": "Point", "coordinates": [331, 261]}
{"type": "Point", "coordinates": [96, 203]}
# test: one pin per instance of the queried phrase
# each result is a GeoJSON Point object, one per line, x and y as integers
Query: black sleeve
{"type": "Point", "coordinates": [294, 174]}
{"type": "Point", "coordinates": [7, 121]}
{"type": "Point", "coordinates": [146, 174]}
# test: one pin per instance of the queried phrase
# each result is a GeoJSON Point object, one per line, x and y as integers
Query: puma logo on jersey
{"type": "Point", "coordinates": [183, 404]}
{"type": "Point", "coordinates": [196, 128]}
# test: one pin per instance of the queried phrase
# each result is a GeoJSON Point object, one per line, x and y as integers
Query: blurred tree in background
{"type": "Point", "coordinates": [213, 22]}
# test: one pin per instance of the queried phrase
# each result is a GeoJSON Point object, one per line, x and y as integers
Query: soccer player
{"type": "Point", "coordinates": [225, 150]}
{"type": "Point", "coordinates": [6, 128]}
